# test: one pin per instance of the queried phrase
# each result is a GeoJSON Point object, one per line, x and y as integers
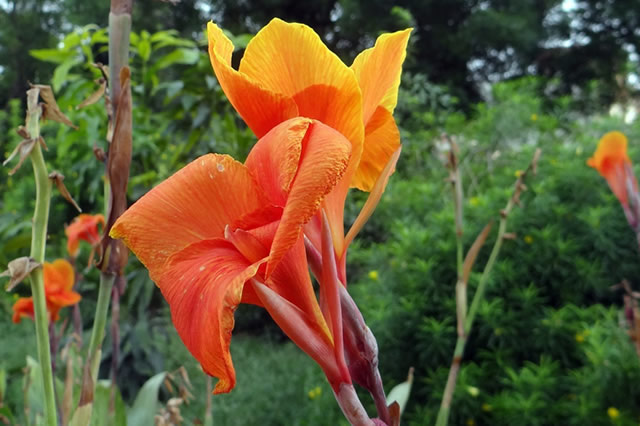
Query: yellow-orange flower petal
{"type": "Point", "coordinates": [381, 141]}
{"type": "Point", "coordinates": [194, 204]}
{"type": "Point", "coordinates": [324, 155]}
{"type": "Point", "coordinates": [611, 160]}
{"type": "Point", "coordinates": [291, 59]}
{"type": "Point", "coordinates": [259, 107]}
{"type": "Point", "coordinates": [378, 71]}
{"type": "Point", "coordinates": [23, 308]}
{"type": "Point", "coordinates": [84, 227]}
{"type": "Point", "coordinates": [203, 284]}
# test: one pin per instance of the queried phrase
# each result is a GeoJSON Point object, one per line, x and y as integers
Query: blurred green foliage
{"type": "Point", "coordinates": [548, 346]}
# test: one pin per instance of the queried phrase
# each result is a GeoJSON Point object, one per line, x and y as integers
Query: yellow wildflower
{"type": "Point", "coordinates": [373, 275]}
{"type": "Point", "coordinates": [613, 413]}
{"type": "Point", "coordinates": [315, 392]}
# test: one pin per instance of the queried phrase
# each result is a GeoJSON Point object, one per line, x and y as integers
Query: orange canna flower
{"type": "Point", "coordinates": [219, 233]}
{"type": "Point", "coordinates": [58, 285]}
{"type": "Point", "coordinates": [84, 227]}
{"type": "Point", "coordinates": [613, 163]}
{"type": "Point", "coordinates": [287, 71]}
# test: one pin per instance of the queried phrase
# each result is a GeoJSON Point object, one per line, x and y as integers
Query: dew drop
{"type": "Point", "coordinates": [220, 167]}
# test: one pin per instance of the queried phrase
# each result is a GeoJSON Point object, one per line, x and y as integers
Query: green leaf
{"type": "Point", "coordinates": [102, 415]}
{"type": "Point", "coordinates": [82, 415]}
{"type": "Point", "coordinates": [401, 392]}
{"type": "Point", "coordinates": [179, 56]}
{"type": "Point", "coordinates": [56, 56]}
{"type": "Point", "coordinates": [61, 73]}
{"type": "Point", "coordinates": [146, 404]}
{"type": "Point", "coordinates": [144, 49]}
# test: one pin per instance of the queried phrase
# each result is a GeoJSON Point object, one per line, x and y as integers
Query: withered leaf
{"type": "Point", "coordinates": [24, 148]}
{"type": "Point", "coordinates": [114, 252]}
{"type": "Point", "coordinates": [95, 96]}
{"type": "Point", "coordinates": [19, 269]}
{"type": "Point", "coordinates": [470, 258]}
{"type": "Point", "coordinates": [58, 178]}
{"type": "Point", "coordinates": [51, 110]}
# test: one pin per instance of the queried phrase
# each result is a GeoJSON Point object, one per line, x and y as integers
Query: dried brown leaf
{"type": "Point", "coordinates": [19, 269]}
{"type": "Point", "coordinates": [470, 259]}
{"type": "Point", "coordinates": [58, 178]}
{"type": "Point", "coordinates": [51, 110]}
{"type": "Point", "coordinates": [95, 96]}
{"type": "Point", "coordinates": [22, 132]}
{"type": "Point", "coordinates": [24, 148]}
{"type": "Point", "coordinates": [114, 252]}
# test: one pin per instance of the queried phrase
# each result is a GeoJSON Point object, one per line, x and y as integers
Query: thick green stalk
{"type": "Point", "coordinates": [38, 243]}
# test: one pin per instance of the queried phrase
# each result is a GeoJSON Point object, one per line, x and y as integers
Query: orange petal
{"type": "Point", "coordinates": [260, 107]}
{"type": "Point", "coordinates": [194, 204]}
{"type": "Point", "coordinates": [381, 141]}
{"type": "Point", "coordinates": [378, 71]}
{"type": "Point", "coordinates": [64, 298]}
{"type": "Point", "coordinates": [324, 159]}
{"type": "Point", "coordinates": [292, 60]}
{"type": "Point", "coordinates": [23, 308]}
{"type": "Point", "coordinates": [274, 159]}
{"type": "Point", "coordinates": [58, 276]}
{"type": "Point", "coordinates": [203, 284]}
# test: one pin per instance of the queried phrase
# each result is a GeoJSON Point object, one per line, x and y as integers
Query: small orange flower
{"type": "Point", "coordinates": [84, 227]}
{"type": "Point", "coordinates": [613, 163]}
{"type": "Point", "coordinates": [58, 284]}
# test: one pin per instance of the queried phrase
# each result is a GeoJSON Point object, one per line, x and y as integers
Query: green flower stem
{"type": "Point", "coordinates": [99, 323]}
{"type": "Point", "coordinates": [38, 243]}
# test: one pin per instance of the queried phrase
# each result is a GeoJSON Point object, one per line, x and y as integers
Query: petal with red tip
{"type": "Point", "coordinates": [203, 284]}
{"type": "Point", "coordinates": [260, 107]}
{"type": "Point", "coordinates": [194, 204]}
{"type": "Point", "coordinates": [610, 160]}
{"type": "Point", "coordinates": [324, 159]}
{"type": "Point", "coordinates": [303, 331]}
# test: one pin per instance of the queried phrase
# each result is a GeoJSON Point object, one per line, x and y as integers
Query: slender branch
{"type": "Point", "coordinates": [38, 244]}
{"type": "Point", "coordinates": [445, 407]}
{"type": "Point", "coordinates": [99, 322]}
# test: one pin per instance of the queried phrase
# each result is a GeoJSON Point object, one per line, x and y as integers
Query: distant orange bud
{"type": "Point", "coordinates": [613, 163]}
{"type": "Point", "coordinates": [84, 227]}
